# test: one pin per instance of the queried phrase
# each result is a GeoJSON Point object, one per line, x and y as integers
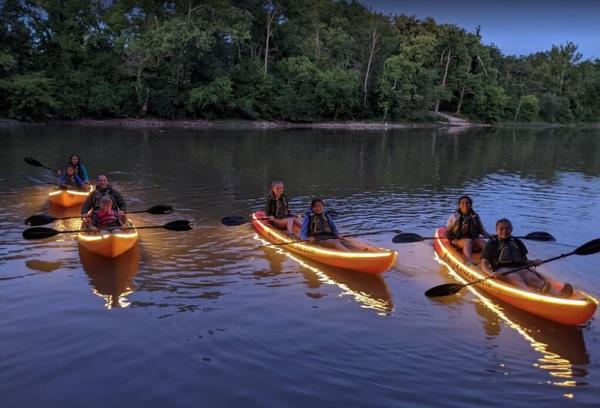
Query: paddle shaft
{"type": "Point", "coordinates": [520, 268]}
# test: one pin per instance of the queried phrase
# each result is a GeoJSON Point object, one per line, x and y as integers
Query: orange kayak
{"type": "Point", "coordinates": [373, 260]}
{"type": "Point", "coordinates": [69, 198]}
{"type": "Point", "coordinates": [109, 245]}
{"type": "Point", "coordinates": [575, 310]}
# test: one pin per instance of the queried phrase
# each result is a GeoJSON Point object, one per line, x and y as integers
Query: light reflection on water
{"type": "Point", "coordinates": [228, 322]}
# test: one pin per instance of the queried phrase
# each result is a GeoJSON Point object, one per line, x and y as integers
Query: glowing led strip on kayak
{"type": "Point", "coordinates": [315, 250]}
{"type": "Point", "coordinates": [90, 238]}
{"type": "Point", "coordinates": [73, 192]}
{"type": "Point", "coordinates": [499, 286]}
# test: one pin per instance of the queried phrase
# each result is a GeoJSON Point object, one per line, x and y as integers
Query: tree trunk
{"type": "Point", "coordinates": [270, 18]}
{"type": "Point", "coordinates": [374, 38]}
{"type": "Point", "coordinates": [448, 59]}
{"type": "Point", "coordinates": [517, 112]}
{"type": "Point", "coordinates": [460, 99]}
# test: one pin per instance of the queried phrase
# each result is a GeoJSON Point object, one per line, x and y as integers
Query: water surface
{"type": "Point", "coordinates": [206, 317]}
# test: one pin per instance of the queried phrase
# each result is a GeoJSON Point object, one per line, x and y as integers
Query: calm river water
{"type": "Point", "coordinates": [204, 318]}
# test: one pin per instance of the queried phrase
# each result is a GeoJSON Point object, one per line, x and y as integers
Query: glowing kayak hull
{"type": "Point", "coordinates": [109, 245]}
{"type": "Point", "coordinates": [373, 261]}
{"type": "Point", "coordinates": [577, 309]}
{"type": "Point", "coordinates": [69, 198]}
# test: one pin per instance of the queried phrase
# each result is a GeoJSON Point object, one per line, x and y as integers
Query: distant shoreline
{"type": "Point", "coordinates": [156, 123]}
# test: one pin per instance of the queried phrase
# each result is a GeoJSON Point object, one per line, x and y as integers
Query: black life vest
{"type": "Point", "coordinates": [507, 253]}
{"type": "Point", "coordinates": [466, 226]}
{"type": "Point", "coordinates": [278, 207]}
{"type": "Point", "coordinates": [319, 226]}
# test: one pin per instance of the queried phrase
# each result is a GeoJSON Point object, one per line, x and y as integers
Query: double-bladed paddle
{"type": "Point", "coordinates": [36, 163]}
{"type": "Point", "coordinates": [43, 219]}
{"type": "Point", "coordinates": [589, 248]}
{"type": "Point", "coordinates": [43, 232]}
{"type": "Point", "coordinates": [408, 237]}
{"type": "Point", "coordinates": [62, 187]}
{"type": "Point", "coordinates": [235, 220]}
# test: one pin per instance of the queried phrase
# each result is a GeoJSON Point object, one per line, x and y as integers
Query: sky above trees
{"type": "Point", "coordinates": [517, 27]}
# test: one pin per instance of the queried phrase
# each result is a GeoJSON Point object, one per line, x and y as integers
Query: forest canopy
{"type": "Point", "coordinates": [293, 60]}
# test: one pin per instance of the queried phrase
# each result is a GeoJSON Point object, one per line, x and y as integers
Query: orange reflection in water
{"type": "Point", "coordinates": [561, 347]}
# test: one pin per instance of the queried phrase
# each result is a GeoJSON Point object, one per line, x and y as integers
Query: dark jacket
{"type": "Point", "coordinates": [278, 208]}
{"type": "Point", "coordinates": [312, 225]}
{"type": "Point", "coordinates": [93, 201]}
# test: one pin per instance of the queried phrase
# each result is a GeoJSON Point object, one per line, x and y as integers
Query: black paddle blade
{"type": "Point", "coordinates": [234, 220]}
{"type": "Point", "coordinates": [39, 219]}
{"type": "Point", "coordinates": [540, 236]}
{"type": "Point", "coordinates": [179, 225]}
{"type": "Point", "coordinates": [33, 162]}
{"type": "Point", "coordinates": [444, 290]}
{"type": "Point", "coordinates": [160, 209]}
{"type": "Point", "coordinates": [39, 233]}
{"type": "Point", "coordinates": [589, 248]}
{"type": "Point", "coordinates": [407, 237]}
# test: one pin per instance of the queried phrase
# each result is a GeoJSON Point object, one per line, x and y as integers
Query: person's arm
{"type": "Point", "coordinates": [334, 229]}
{"type": "Point", "coordinates": [84, 173]}
{"type": "Point", "coordinates": [305, 227]}
{"type": "Point", "coordinates": [87, 205]}
{"type": "Point", "coordinates": [486, 266]}
{"type": "Point", "coordinates": [79, 181]}
{"type": "Point", "coordinates": [268, 208]}
{"type": "Point", "coordinates": [524, 250]}
{"type": "Point", "coordinates": [451, 221]}
{"type": "Point", "coordinates": [486, 256]}
{"type": "Point", "coordinates": [120, 202]}
{"type": "Point", "coordinates": [483, 231]}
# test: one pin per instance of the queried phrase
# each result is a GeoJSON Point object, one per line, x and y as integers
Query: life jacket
{"type": "Point", "coordinates": [97, 196]}
{"type": "Point", "coordinates": [319, 225]}
{"type": "Point", "coordinates": [505, 253]}
{"type": "Point", "coordinates": [278, 208]}
{"type": "Point", "coordinates": [465, 226]}
{"type": "Point", "coordinates": [105, 219]}
{"type": "Point", "coordinates": [71, 181]}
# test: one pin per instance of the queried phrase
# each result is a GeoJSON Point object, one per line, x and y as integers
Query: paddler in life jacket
{"type": "Point", "coordinates": [278, 210]}
{"type": "Point", "coordinates": [80, 169]}
{"type": "Point", "coordinates": [504, 252]}
{"type": "Point", "coordinates": [106, 218]}
{"type": "Point", "coordinates": [103, 189]}
{"type": "Point", "coordinates": [71, 180]}
{"type": "Point", "coordinates": [318, 226]}
{"type": "Point", "coordinates": [464, 228]}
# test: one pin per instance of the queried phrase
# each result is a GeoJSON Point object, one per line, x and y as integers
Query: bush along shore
{"type": "Point", "coordinates": [319, 62]}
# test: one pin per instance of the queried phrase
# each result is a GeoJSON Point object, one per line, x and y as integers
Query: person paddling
{"type": "Point", "coordinates": [79, 168]}
{"type": "Point", "coordinates": [318, 226]}
{"type": "Point", "coordinates": [464, 229]}
{"type": "Point", "coordinates": [106, 218]}
{"type": "Point", "coordinates": [70, 179]}
{"type": "Point", "coordinates": [278, 210]}
{"type": "Point", "coordinates": [103, 188]}
{"type": "Point", "coordinates": [504, 252]}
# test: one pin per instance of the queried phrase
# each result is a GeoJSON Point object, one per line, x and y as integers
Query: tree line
{"type": "Point", "coordinates": [293, 60]}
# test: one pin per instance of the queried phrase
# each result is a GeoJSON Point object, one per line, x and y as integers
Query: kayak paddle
{"type": "Point", "coordinates": [360, 234]}
{"type": "Point", "coordinates": [36, 163]}
{"type": "Point", "coordinates": [235, 220]}
{"type": "Point", "coordinates": [412, 237]}
{"type": "Point", "coordinates": [589, 248]}
{"type": "Point", "coordinates": [43, 232]}
{"type": "Point", "coordinates": [43, 219]}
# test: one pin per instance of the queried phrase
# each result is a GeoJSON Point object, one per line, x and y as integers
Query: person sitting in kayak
{"type": "Point", "coordinates": [504, 252]}
{"type": "Point", "coordinates": [106, 218]}
{"type": "Point", "coordinates": [318, 226]}
{"type": "Point", "coordinates": [92, 203]}
{"type": "Point", "coordinates": [80, 169]}
{"type": "Point", "coordinates": [278, 210]}
{"type": "Point", "coordinates": [70, 179]}
{"type": "Point", "coordinates": [464, 229]}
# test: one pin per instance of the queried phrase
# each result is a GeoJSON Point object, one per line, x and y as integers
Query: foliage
{"type": "Point", "coordinates": [298, 60]}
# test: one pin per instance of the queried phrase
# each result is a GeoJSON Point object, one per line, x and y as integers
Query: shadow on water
{"type": "Point", "coordinates": [370, 291]}
{"type": "Point", "coordinates": [563, 351]}
{"type": "Point", "coordinates": [111, 278]}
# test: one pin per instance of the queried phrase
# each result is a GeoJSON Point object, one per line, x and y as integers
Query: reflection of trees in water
{"type": "Point", "coordinates": [111, 278]}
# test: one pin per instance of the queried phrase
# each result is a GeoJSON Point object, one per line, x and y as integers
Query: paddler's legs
{"type": "Point", "coordinates": [466, 244]}
{"type": "Point", "coordinates": [525, 279]}
{"type": "Point", "coordinates": [334, 244]}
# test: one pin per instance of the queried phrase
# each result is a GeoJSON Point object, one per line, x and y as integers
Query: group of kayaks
{"type": "Point", "coordinates": [574, 310]}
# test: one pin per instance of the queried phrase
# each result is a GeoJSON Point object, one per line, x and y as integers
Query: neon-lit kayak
{"type": "Point", "coordinates": [577, 309]}
{"type": "Point", "coordinates": [109, 245]}
{"type": "Point", "coordinates": [374, 260]}
{"type": "Point", "coordinates": [69, 198]}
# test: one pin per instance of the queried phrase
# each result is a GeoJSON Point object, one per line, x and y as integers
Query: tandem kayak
{"type": "Point", "coordinates": [575, 310]}
{"type": "Point", "coordinates": [373, 260]}
{"type": "Point", "coordinates": [69, 198]}
{"type": "Point", "coordinates": [109, 245]}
